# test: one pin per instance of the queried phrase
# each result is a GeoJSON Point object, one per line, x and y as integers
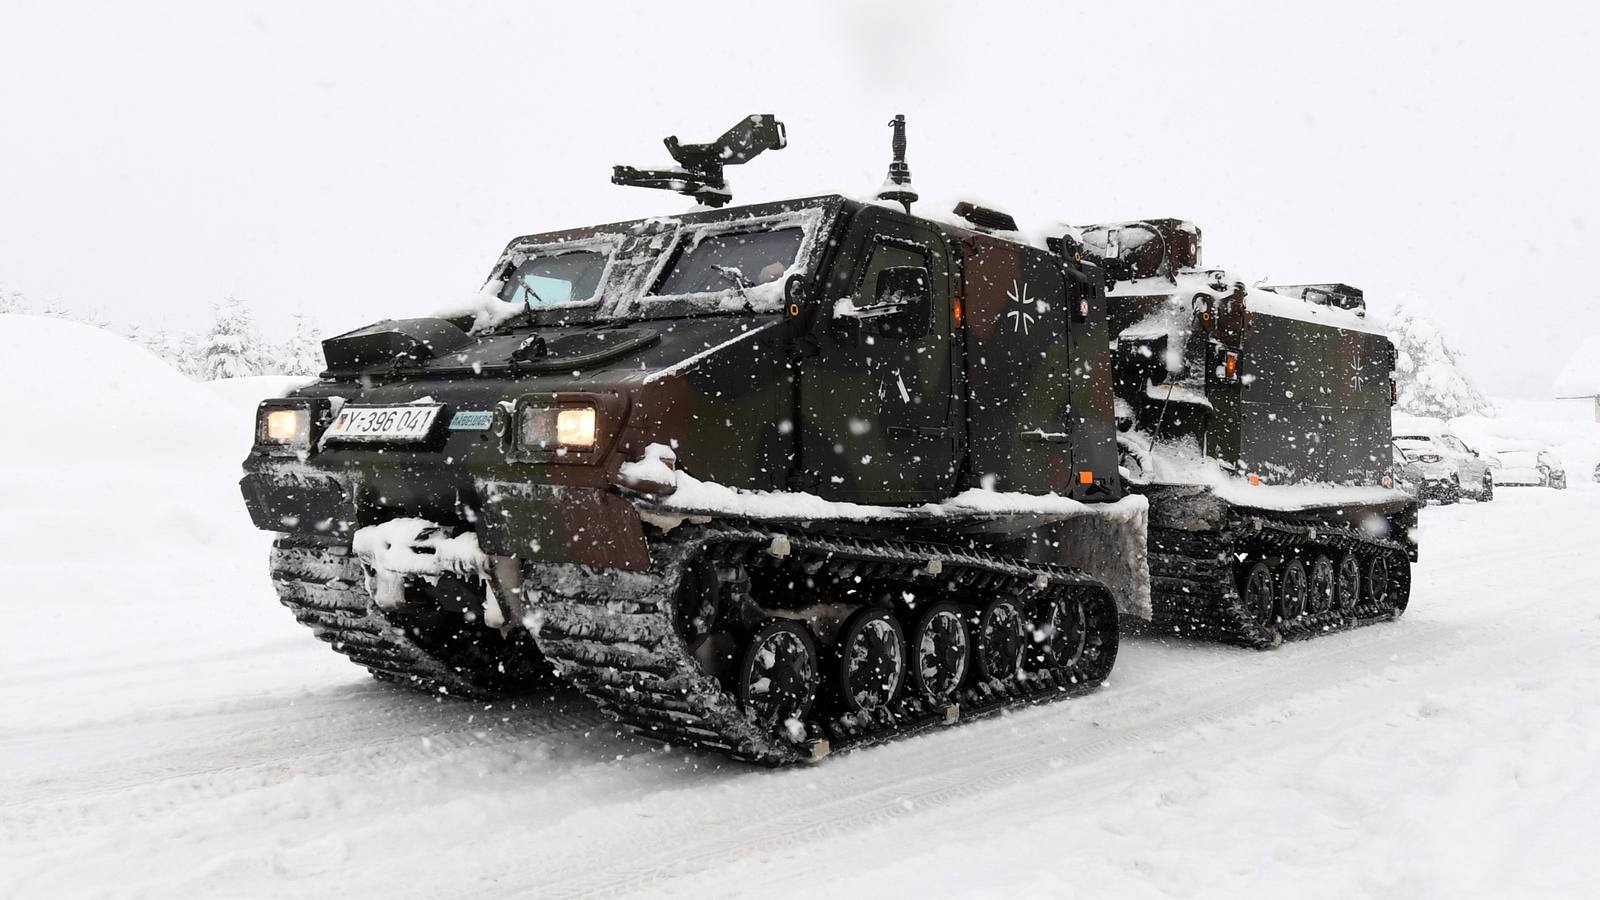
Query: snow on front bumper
{"type": "Point", "coordinates": [417, 548]}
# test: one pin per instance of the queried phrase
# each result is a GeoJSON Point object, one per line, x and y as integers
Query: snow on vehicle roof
{"type": "Point", "coordinates": [1581, 376]}
{"type": "Point", "coordinates": [1188, 282]}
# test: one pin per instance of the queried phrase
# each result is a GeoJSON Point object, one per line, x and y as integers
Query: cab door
{"type": "Point", "coordinates": [877, 410]}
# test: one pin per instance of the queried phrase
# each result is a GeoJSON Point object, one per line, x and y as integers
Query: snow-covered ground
{"type": "Point", "coordinates": [169, 731]}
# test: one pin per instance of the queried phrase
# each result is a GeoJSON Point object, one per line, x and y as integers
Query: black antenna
{"type": "Point", "coordinates": [897, 187]}
{"type": "Point", "coordinates": [699, 170]}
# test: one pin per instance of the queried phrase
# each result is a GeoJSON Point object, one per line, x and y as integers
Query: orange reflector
{"type": "Point", "coordinates": [1086, 478]}
{"type": "Point", "coordinates": [1255, 479]}
{"type": "Point", "coordinates": [959, 309]}
{"type": "Point", "coordinates": [1230, 364]}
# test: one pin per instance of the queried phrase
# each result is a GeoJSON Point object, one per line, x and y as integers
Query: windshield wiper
{"type": "Point", "coordinates": [734, 276]}
{"type": "Point", "coordinates": [526, 317]}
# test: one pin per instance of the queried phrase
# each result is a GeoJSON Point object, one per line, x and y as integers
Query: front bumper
{"type": "Point", "coordinates": [301, 501]}
{"type": "Point", "coordinates": [591, 526]}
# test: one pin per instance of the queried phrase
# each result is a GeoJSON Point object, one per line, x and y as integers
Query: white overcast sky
{"type": "Point", "coordinates": [351, 161]}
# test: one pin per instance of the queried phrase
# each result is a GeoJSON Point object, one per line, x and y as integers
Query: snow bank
{"type": "Point", "coordinates": [112, 446]}
{"type": "Point", "coordinates": [242, 395]}
{"type": "Point", "coordinates": [90, 390]}
{"type": "Point", "coordinates": [125, 536]}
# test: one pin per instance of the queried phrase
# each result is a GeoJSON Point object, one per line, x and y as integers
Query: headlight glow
{"type": "Point", "coordinates": [282, 426]}
{"type": "Point", "coordinates": [557, 428]}
{"type": "Point", "coordinates": [575, 427]}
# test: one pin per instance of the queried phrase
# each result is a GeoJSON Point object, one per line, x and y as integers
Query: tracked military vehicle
{"type": "Point", "coordinates": [1256, 421]}
{"type": "Point", "coordinates": [767, 480]}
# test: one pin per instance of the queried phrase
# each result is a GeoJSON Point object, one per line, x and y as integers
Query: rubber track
{"type": "Point", "coordinates": [1195, 589]}
{"type": "Point", "coordinates": [324, 585]}
{"type": "Point", "coordinates": [614, 638]}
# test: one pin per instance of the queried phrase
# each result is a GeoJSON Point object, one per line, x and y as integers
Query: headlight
{"type": "Point", "coordinates": [283, 426]}
{"type": "Point", "coordinates": [575, 427]}
{"type": "Point", "coordinates": [557, 428]}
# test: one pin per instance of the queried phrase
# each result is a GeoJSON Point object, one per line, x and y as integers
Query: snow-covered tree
{"type": "Point", "coordinates": [177, 351]}
{"type": "Point", "coordinates": [12, 301]}
{"type": "Point", "coordinates": [1430, 373]}
{"type": "Point", "coordinates": [302, 354]}
{"type": "Point", "coordinates": [231, 348]}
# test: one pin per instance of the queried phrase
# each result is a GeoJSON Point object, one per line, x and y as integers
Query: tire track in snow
{"type": "Point", "coordinates": [992, 760]}
{"type": "Point", "coordinates": [209, 767]}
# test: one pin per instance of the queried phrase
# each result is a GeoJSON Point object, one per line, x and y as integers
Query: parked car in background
{"type": "Point", "coordinates": [1435, 480]}
{"type": "Point", "coordinates": [1472, 471]}
{"type": "Point", "coordinates": [1529, 468]}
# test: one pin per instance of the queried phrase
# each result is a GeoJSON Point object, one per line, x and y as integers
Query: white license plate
{"type": "Point", "coordinates": [382, 423]}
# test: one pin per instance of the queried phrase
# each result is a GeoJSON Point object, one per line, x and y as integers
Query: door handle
{"type": "Point", "coordinates": [930, 431]}
{"type": "Point", "coordinates": [1040, 436]}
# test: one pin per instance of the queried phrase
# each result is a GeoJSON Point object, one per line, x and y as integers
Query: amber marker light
{"type": "Point", "coordinates": [1086, 478]}
{"type": "Point", "coordinates": [1230, 364]}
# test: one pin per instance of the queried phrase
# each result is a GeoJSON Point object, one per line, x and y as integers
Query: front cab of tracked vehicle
{"type": "Point", "coordinates": [824, 346]}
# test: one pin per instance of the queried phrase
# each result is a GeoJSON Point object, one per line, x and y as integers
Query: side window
{"type": "Point", "coordinates": [890, 278]}
{"type": "Point", "coordinates": [884, 256]}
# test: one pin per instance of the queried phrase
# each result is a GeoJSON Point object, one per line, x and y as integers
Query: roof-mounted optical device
{"type": "Point", "coordinates": [699, 170]}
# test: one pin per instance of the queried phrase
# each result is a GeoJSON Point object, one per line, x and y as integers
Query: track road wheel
{"type": "Point", "coordinates": [1001, 638]}
{"type": "Point", "coordinates": [1063, 635]}
{"type": "Point", "coordinates": [941, 651]}
{"type": "Point", "coordinates": [1292, 589]}
{"type": "Point", "coordinates": [871, 660]}
{"type": "Point", "coordinates": [777, 677]}
{"type": "Point", "coordinates": [1257, 593]}
{"type": "Point", "coordinates": [1377, 580]}
{"type": "Point", "coordinates": [1347, 582]}
{"type": "Point", "coordinates": [1322, 587]}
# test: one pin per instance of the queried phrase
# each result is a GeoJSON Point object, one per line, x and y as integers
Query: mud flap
{"type": "Point", "coordinates": [555, 523]}
{"type": "Point", "coordinates": [1110, 544]}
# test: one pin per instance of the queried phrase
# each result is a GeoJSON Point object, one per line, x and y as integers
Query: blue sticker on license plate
{"type": "Point", "coordinates": [471, 420]}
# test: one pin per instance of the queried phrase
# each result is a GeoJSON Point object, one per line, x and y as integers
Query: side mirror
{"type": "Point", "coordinates": [905, 297]}
{"type": "Point", "coordinates": [794, 294]}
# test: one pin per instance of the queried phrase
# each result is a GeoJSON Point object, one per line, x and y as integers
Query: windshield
{"type": "Point", "coordinates": [556, 280]}
{"type": "Point", "coordinates": [739, 260]}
